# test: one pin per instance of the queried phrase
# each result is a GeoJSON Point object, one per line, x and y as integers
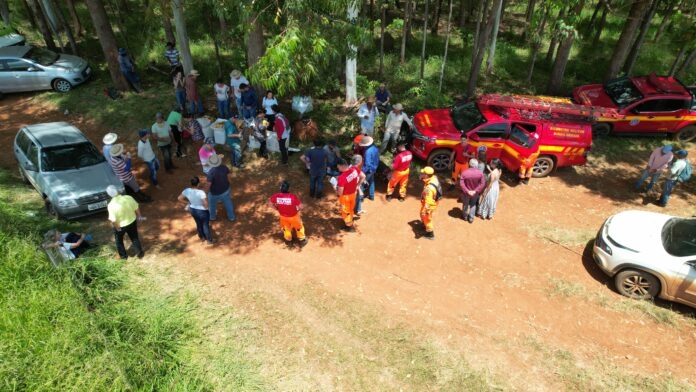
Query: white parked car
{"type": "Point", "coordinates": [649, 255]}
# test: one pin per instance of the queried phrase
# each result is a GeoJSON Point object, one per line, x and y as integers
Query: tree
{"type": "Point", "coordinates": [77, 24]}
{"type": "Point", "coordinates": [447, 38]}
{"type": "Point", "coordinates": [497, 14]}
{"type": "Point", "coordinates": [41, 24]}
{"type": "Point", "coordinates": [623, 45]}
{"type": "Point", "coordinates": [425, 36]}
{"type": "Point", "coordinates": [567, 34]}
{"type": "Point", "coordinates": [535, 39]}
{"type": "Point", "coordinates": [5, 12]}
{"type": "Point", "coordinates": [107, 41]}
{"type": "Point", "coordinates": [404, 36]}
{"type": "Point", "coordinates": [352, 58]}
{"type": "Point", "coordinates": [182, 35]}
{"type": "Point", "coordinates": [483, 30]}
{"type": "Point", "coordinates": [638, 43]}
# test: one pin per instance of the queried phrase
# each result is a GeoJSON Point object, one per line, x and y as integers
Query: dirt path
{"type": "Point", "coordinates": [505, 292]}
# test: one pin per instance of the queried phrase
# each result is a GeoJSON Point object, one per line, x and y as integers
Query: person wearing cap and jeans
{"type": "Point", "coordinates": [370, 165]}
{"type": "Point", "coordinates": [127, 66]}
{"type": "Point", "coordinates": [162, 133]}
{"type": "Point", "coordinates": [674, 172]}
{"type": "Point", "coordinates": [657, 164]}
{"type": "Point", "coordinates": [124, 214]}
{"type": "Point", "coordinates": [392, 127]}
{"type": "Point", "coordinates": [191, 86]}
{"type": "Point", "coordinates": [429, 199]}
{"type": "Point", "coordinates": [219, 178]}
{"type": "Point", "coordinates": [472, 181]}
{"type": "Point", "coordinates": [148, 156]}
{"type": "Point", "coordinates": [236, 80]}
{"type": "Point", "coordinates": [367, 112]}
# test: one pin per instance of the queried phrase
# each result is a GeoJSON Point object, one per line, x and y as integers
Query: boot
{"type": "Point", "coordinates": [430, 235]}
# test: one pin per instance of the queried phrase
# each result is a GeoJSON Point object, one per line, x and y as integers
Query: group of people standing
{"type": "Point", "coordinates": [663, 161]}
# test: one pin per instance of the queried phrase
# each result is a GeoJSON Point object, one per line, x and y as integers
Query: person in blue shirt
{"type": "Point", "coordinates": [383, 97]}
{"type": "Point", "coordinates": [249, 101]}
{"type": "Point", "coordinates": [370, 165]}
{"type": "Point", "coordinates": [315, 159]}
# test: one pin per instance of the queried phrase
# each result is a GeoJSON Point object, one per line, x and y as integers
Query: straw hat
{"type": "Point", "coordinates": [111, 191]}
{"type": "Point", "coordinates": [194, 72]}
{"type": "Point", "coordinates": [116, 150]}
{"type": "Point", "coordinates": [366, 141]}
{"type": "Point", "coordinates": [398, 106]}
{"type": "Point", "coordinates": [110, 138]}
{"type": "Point", "coordinates": [235, 73]}
{"type": "Point", "coordinates": [214, 161]}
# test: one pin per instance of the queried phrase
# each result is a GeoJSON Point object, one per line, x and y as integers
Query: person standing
{"type": "Point", "coordinates": [267, 103]}
{"type": "Point", "coordinates": [430, 198]}
{"type": "Point", "coordinates": [222, 95]}
{"type": "Point", "coordinates": [249, 101]}
{"type": "Point", "coordinates": [289, 206]}
{"type": "Point", "coordinates": [127, 66]}
{"type": "Point", "coordinates": [236, 80]}
{"type": "Point", "coordinates": [234, 140]}
{"type": "Point", "coordinates": [332, 155]}
{"type": "Point", "coordinates": [400, 172]}
{"type": "Point", "coordinates": [392, 127]}
{"type": "Point", "coordinates": [383, 98]}
{"type": "Point", "coordinates": [197, 206]}
{"type": "Point", "coordinates": [657, 164]}
{"type": "Point", "coordinates": [205, 152]}
{"type": "Point", "coordinates": [108, 140]}
{"type": "Point", "coordinates": [367, 112]}
{"type": "Point", "coordinates": [527, 166]}
{"type": "Point", "coordinates": [489, 197]}
{"type": "Point", "coordinates": [171, 53]}
{"type": "Point", "coordinates": [121, 165]}
{"type": "Point", "coordinates": [472, 182]}
{"type": "Point", "coordinates": [675, 171]}
{"type": "Point", "coordinates": [315, 159]}
{"type": "Point", "coordinates": [148, 156]}
{"type": "Point", "coordinates": [124, 215]}
{"type": "Point", "coordinates": [180, 90]}
{"type": "Point", "coordinates": [219, 178]}
{"type": "Point", "coordinates": [459, 160]}
{"type": "Point", "coordinates": [175, 121]}
{"type": "Point", "coordinates": [162, 133]}
{"type": "Point", "coordinates": [370, 165]}
{"type": "Point", "coordinates": [346, 189]}
{"type": "Point", "coordinates": [282, 129]}
{"type": "Point", "coordinates": [191, 86]}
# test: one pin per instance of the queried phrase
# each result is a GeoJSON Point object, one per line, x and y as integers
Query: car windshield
{"type": "Point", "coordinates": [73, 156]}
{"type": "Point", "coordinates": [466, 116]}
{"type": "Point", "coordinates": [622, 91]}
{"type": "Point", "coordinates": [679, 237]}
{"type": "Point", "coordinates": [41, 56]}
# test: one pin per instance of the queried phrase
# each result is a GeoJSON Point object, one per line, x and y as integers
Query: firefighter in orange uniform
{"type": "Point", "coordinates": [288, 206]}
{"type": "Point", "coordinates": [459, 160]}
{"type": "Point", "coordinates": [527, 166]}
{"type": "Point", "coordinates": [346, 188]}
{"type": "Point", "coordinates": [400, 172]}
{"type": "Point", "coordinates": [430, 198]}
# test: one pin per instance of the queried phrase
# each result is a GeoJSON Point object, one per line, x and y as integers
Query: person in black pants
{"type": "Point", "coordinates": [282, 129]}
{"type": "Point", "coordinates": [124, 214]}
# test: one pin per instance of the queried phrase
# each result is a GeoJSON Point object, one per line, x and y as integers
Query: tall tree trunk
{"type": "Point", "coordinates": [352, 59]}
{"type": "Point", "coordinates": [644, 27]}
{"type": "Point", "coordinates": [182, 35]}
{"type": "Point", "coordinates": [436, 18]}
{"type": "Point", "coordinates": [42, 24]}
{"type": "Point", "coordinates": [591, 23]}
{"type": "Point", "coordinates": [64, 26]}
{"type": "Point", "coordinates": [5, 12]}
{"type": "Point", "coordinates": [687, 63]}
{"type": "Point", "coordinates": [224, 29]}
{"type": "Point", "coordinates": [602, 22]}
{"type": "Point", "coordinates": [256, 45]}
{"type": "Point", "coordinates": [462, 14]}
{"type": "Point", "coordinates": [76, 23]}
{"type": "Point", "coordinates": [498, 11]}
{"type": "Point", "coordinates": [32, 19]}
{"type": "Point", "coordinates": [623, 45]}
{"type": "Point", "coordinates": [447, 38]}
{"type": "Point", "coordinates": [677, 60]}
{"type": "Point", "coordinates": [425, 36]}
{"type": "Point", "coordinates": [52, 21]}
{"type": "Point", "coordinates": [559, 64]}
{"type": "Point", "coordinates": [382, 28]}
{"type": "Point", "coordinates": [528, 17]}
{"type": "Point", "coordinates": [554, 36]}
{"type": "Point", "coordinates": [536, 44]}
{"type": "Point", "coordinates": [486, 15]}
{"type": "Point", "coordinates": [107, 41]}
{"type": "Point", "coordinates": [669, 11]}
{"type": "Point", "coordinates": [404, 37]}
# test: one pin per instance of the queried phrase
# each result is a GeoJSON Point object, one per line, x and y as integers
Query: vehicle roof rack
{"type": "Point", "coordinates": [545, 107]}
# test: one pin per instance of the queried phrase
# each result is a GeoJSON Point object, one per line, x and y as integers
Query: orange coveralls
{"type": "Point", "coordinates": [347, 208]}
{"type": "Point", "coordinates": [428, 202]}
{"type": "Point", "coordinates": [460, 154]}
{"type": "Point", "coordinates": [292, 222]}
{"type": "Point", "coordinates": [401, 170]}
{"type": "Point", "coordinates": [527, 165]}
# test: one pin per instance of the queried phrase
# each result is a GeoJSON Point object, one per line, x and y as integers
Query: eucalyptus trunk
{"type": "Point", "coordinates": [107, 41]}
{"type": "Point", "coordinates": [447, 38]}
{"type": "Point", "coordinates": [623, 45]}
{"type": "Point", "coordinates": [5, 12]}
{"type": "Point", "coordinates": [42, 24]}
{"type": "Point", "coordinates": [562, 57]}
{"type": "Point", "coordinates": [404, 35]}
{"type": "Point", "coordinates": [425, 36]}
{"type": "Point", "coordinates": [76, 23]}
{"type": "Point", "coordinates": [182, 35]}
{"type": "Point", "coordinates": [644, 27]}
{"type": "Point", "coordinates": [256, 46]}
{"type": "Point", "coordinates": [351, 59]}
{"type": "Point", "coordinates": [498, 10]}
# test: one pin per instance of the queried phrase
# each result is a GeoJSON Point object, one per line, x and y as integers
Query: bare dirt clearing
{"type": "Point", "coordinates": [518, 298]}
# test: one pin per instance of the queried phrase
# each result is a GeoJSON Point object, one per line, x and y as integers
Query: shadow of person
{"type": "Point", "coordinates": [417, 227]}
{"type": "Point", "coordinates": [455, 212]}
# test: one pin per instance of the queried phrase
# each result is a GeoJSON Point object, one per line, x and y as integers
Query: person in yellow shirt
{"type": "Point", "coordinates": [124, 214]}
{"type": "Point", "coordinates": [430, 198]}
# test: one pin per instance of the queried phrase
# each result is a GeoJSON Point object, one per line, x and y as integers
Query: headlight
{"type": "Point", "coordinates": [67, 203]}
{"type": "Point", "coordinates": [599, 241]}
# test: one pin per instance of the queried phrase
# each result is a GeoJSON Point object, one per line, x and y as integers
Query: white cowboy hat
{"type": "Point", "coordinates": [366, 141]}
{"type": "Point", "coordinates": [194, 72]}
{"type": "Point", "coordinates": [398, 106]}
{"type": "Point", "coordinates": [235, 73]}
{"type": "Point", "coordinates": [116, 150]}
{"type": "Point", "coordinates": [110, 138]}
{"type": "Point", "coordinates": [214, 161]}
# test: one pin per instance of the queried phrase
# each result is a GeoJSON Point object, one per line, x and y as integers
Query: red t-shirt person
{"type": "Point", "coordinates": [402, 161]}
{"type": "Point", "coordinates": [348, 180]}
{"type": "Point", "coordinates": [462, 153]}
{"type": "Point", "coordinates": [287, 204]}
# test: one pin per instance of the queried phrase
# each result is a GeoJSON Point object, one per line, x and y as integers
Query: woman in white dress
{"type": "Point", "coordinates": [492, 190]}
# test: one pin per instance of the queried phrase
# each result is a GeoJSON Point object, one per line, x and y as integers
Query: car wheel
{"type": "Point", "coordinates": [543, 166]}
{"type": "Point", "coordinates": [637, 284]}
{"type": "Point", "coordinates": [601, 130]}
{"type": "Point", "coordinates": [62, 85]}
{"type": "Point", "coordinates": [686, 134]}
{"type": "Point", "coordinates": [51, 210]}
{"type": "Point", "coordinates": [439, 159]}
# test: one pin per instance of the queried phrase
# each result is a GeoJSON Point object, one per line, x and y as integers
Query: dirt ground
{"type": "Point", "coordinates": [487, 289]}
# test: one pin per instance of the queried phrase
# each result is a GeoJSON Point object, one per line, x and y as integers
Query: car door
{"type": "Point", "coordinates": [519, 145]}
{"type": "Point", "coordinates": [653, 115]}
{"type": "Point", "coordinates": [686, 291]}
{"type": "Point", "coordinates": [491, 135]}
{"type": "Point", "coordinates": [11, 76]}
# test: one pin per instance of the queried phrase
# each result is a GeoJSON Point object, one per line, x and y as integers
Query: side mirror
{"type": "Point", "coordinates": [30, 166]}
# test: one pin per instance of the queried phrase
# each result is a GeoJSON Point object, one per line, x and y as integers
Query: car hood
{"type": "Point", "coordinates": [70, 62]}
{"type": "Point", "coordinates": [593, 95]}
{"type": "Point", "coordinates": [637, 230]}
{"type": "Point", "coordinates": [82, 182]}
{"type": "Point", "coordinates": [434, 122]}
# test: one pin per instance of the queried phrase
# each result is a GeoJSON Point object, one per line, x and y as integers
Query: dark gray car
{"type": "Point", "coordinates": [67, 170]}
{"type": "Point", "coordinates": [29, 68]}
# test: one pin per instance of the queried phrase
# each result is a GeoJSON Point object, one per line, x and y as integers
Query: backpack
{"type": "Point", "coordinates": [438, 191]}
{"type": "Point", "coordinates": [686, 172]}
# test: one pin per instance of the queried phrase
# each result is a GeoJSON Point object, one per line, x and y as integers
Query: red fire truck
{"type": "Point", "coordinates": [506, 125]}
